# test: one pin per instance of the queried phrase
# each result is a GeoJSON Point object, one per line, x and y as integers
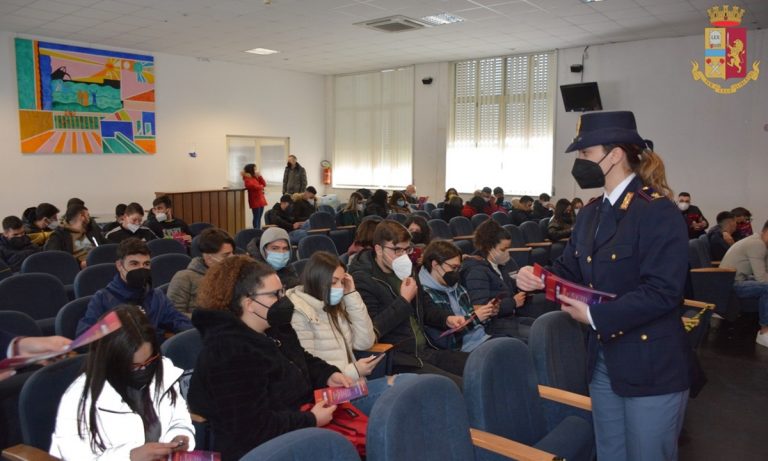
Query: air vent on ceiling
{"type": "Point", "coordinates": [397, 23]}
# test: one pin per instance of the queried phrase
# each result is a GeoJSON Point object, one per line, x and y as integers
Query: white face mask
{"type": "Point", "coordinates": [53, 225]}
{"type": "Point", "coordinates": [576, 211]}
{"type": "Point", "coordinates": [501, 258]}
{"type": "Point", "coordinates": [132, 228]}
{"type": "Point", "coordinates": [683, 206]}
{"type": "Point", "coordinates": [402, 266]}
{"type": "Point", "coordinates": [161, 217]}
{"type": "Point", "coordinates": [360, 207]}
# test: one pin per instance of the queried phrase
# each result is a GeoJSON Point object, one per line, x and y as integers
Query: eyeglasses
{"type": "Point", "coordinates": [453, 267]}
{"type": "Point", "coordinates": [145, 364]}
{"type": "Point", "coordinates": [400, 251]}
{"type": "Point", "coordinates": [277, 293]}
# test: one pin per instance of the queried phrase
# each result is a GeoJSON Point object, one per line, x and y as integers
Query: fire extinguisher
{"type": "Point", "coordinates": [327, 173]}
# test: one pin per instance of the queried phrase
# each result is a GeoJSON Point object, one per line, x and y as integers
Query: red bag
{"type": "Point", "coordinates": [349, 422]}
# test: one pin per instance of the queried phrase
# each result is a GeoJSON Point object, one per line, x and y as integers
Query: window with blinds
{"type": "Point", "coordinates": [373, 129]}
{"type": "Point", "coordinates": [503, 124]}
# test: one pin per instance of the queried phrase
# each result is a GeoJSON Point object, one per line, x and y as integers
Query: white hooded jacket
{"type": "Point", "coordinates": [121, 429]}
{"type": "Point", "coordinates": [316, 333]}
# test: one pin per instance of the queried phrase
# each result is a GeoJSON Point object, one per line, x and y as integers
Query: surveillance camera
{"type": "Point", "coordinates": [426, 80]}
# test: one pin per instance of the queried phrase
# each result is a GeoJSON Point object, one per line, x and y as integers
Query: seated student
{"type": "Point", "coordinates": [252, 375]}
{"type": "Point", "coordinates": [281, 215]}
{"type": "Point", "coordinates": [215, 246]}
{"type": "Point", "coordinates": [15, 245]}
{"type": "Point", "coordinates": [131, 226]}
{"type": "Point", "coordinates": [75, 235]}
{"type": "Point", "coordinates": [352, 214]}
{"type": "Point", "coordinates": [743, 223]}
{"type": "Point", "coordinates": [749, 256]}
{"type": "Point", "coordinates": [304, 204]}
{"type": "Point", "coordinates": [542, 208]}
{"type": "Point", "coordinates": [332, 321]}
{"type": "Point", "coordinates": [694, 218]}
{"type": "Point", "coordinates": [501, 202]}
{"type": "Point", "coordinates": [576, 205]}
{"type": "Point", "coordinates": [133, 285]}
{"type": "Point", "coordinates": [522, 212]}
{"type": "Point", "coordinates": [561, 224]}
{"type": "Point", "coordinates": [274, 248]}
{"type": "Point", "coordinates": [474, 206]}
{"type": "Point", "coordinates": [410, 194]}
{"type": "Point", "coordinates": [92, 226]}
{"type": "Point", "coordinates": [420, 236]}
{"type": "Point", "coordinates": [441, 290]}
{"type": "Point", "coordinates": [39, 225]}
{"type": "Point", "coordinates": [720, 236]}
{"type": "Point", "coordinates": [363, 238]}
{"type": "Point", "coordinates": [452, 208]}
{"type": "Point", "coordinates": [485, 279]}
{"type": "Point", "coordinates": [490, 201]}
{"type": "Point", "coordinates": [127, 404]}
{"type": "Point", "coordinates": [164, 225]}
{"type": "Point", "coordinates": [398, 204]}
{"type": "Point", "coordinates": [119, 215]}
{"type": "Point", "coordinates": [383, 278]}
{"type": "Point", "coordinates": [377, 204]}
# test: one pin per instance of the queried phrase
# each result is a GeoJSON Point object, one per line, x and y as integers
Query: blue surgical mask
{"type": "Point", "coordinates": [401, 203]}
{"type": "Point", "coordinates": [278, 260]}
{"type": "Point", "coordinates": [335, 296]}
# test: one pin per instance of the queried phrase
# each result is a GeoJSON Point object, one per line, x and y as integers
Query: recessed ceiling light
{"type": "Point", "coordinates": [262, 51]}
{"type": "Point", "coordinates": [442, 19]}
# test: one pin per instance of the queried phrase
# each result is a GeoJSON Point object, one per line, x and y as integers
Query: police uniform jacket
{"type": "Point", "coordinates": [644, 262]}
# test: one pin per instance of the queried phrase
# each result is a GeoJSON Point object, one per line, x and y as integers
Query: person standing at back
{"type": "Point", "coordinates": [254, 182]}
{"type": "Point", "coordinates": [632, 242]}
{"type": "Point", "coordinates": [295, 177]}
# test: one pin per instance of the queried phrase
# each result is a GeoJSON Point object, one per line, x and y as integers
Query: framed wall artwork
{"type": "Point", "coordinates": [74, 99]}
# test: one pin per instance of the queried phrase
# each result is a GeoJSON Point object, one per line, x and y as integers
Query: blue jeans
{"type": "Point", "coordinates": [376, 387]}
{"type": "Point", "coordinates": [754, 289]}
{"type": "Point", "coordinates": [634, 428]}
{"type": "Point", "coordinates": [257, 213]}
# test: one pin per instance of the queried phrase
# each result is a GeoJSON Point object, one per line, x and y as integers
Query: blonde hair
{"type": "Point", "coordinates": [648, 165]}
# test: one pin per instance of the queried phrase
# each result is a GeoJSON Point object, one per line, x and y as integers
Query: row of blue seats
{"type": "Point", "coordinates": [504, 404]}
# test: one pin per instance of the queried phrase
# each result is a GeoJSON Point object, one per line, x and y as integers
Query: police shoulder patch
{"type": "Point", "coordinates": [649, 193]}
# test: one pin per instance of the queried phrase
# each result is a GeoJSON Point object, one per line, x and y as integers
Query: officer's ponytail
{"type": "Point", "coordinates": [648, 165]}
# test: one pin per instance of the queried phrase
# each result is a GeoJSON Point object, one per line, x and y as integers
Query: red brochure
{"type": "Point", "coordinates": [337, 395]}
{"type": "Point", "coordinates": [105, 326]}
{"type": "Point", "coordinates": [555, 286]}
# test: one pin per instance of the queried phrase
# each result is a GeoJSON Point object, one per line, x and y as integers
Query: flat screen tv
{"type": "Point", "coordinates": [581, 97]}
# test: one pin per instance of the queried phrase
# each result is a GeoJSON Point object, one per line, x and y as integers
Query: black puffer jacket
{"type": "Point", "coordinates": [249, 385]}
{"type": "Point", "coordinates": [13, 256]}
{"type": "Point", "coordinates": [389, 311]}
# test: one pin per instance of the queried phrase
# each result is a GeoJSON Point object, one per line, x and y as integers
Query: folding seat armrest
{"type": "Point", "coordinates": [715, 263]}
{"type": "Point", "coordinates": [539, 244]}
{"type": "Point", "coordinates": [197, 418]}
{"type": "Point", "coordinates": [712, 269]}
{"type": "Point", "coordinates": [264, 226]}
{"type": "Point", "coordinates": [23, 452]}
{"type": "Point", "coordinates": [698, 304]}
{"type": "Point", "coordinates": [380, 348]}
{"type": "Point", "coordinates": [464, 237]}
{"type": "Point", "coordinates": [508, 448]}
{"type": "Point", "coordinates": [324, 230]}
{"type": "Point", "coordinates": [350, 227]}
{"type": "Point", "coordinates": [565, 397]}
{"type": "Point", "coordinates": [521, 250]}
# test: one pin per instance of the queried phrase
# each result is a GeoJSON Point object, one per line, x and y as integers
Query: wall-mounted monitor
{"type": "Point", "coordinates": [581, 97]}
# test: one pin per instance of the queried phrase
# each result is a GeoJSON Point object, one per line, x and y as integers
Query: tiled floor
{"type": "Point", "coordinates": [728, 421]}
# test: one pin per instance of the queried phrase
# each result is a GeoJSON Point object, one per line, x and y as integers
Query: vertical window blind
{"type": "Point", "coordinates": [373, 129]}
{"type": "Point", "coordinates": [503, 124]}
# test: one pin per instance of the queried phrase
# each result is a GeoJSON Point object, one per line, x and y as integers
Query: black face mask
{"type": "Point", "coordinates": [417, 237]}
{"type": "Point", "coordinates": [17, 243]}
{"type": "Point", "coordinates": [138, 279]}
{"type": "Point", "coordinates": [278, 314]}
{"type": "Point", "coordinates": [451, 278]}
{"type": "Point", "coordinates": [588, 174]}
{"type": "Point", "coordinates": [141, 378]}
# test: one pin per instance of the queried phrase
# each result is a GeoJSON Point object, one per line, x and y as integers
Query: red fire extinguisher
{"type": "Point", "coordinates": [327, 173]}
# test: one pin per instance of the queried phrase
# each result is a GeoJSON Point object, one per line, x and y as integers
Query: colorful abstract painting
{"type": "Point", "coordinates": [83, 100]}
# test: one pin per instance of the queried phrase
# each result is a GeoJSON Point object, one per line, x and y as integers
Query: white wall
{"type": "Point", "coordinates": [714, 146]}
{"type": "Point", "coordinates": [198, 104]}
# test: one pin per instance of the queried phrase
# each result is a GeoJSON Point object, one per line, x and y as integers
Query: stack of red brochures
{"type": "Point", "coordinates": [337, 395]}
{"type": "Point", "coordinates": [555, 286]}
{"type": "Point", "coordinates": [105, 326]}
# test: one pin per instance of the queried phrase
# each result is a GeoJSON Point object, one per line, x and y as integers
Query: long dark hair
{"type": "Point", "coordinates": [250, 169]}
{"type": "Point", "coordinates": [317, 279]}
{"type": "Point", "coordinates": [561, 213]}
{"type": "Point", "coordinates": [110, 360]}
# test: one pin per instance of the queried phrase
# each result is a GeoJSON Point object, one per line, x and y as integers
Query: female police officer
{"type": "Point", "coordinates": [631, 242]}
